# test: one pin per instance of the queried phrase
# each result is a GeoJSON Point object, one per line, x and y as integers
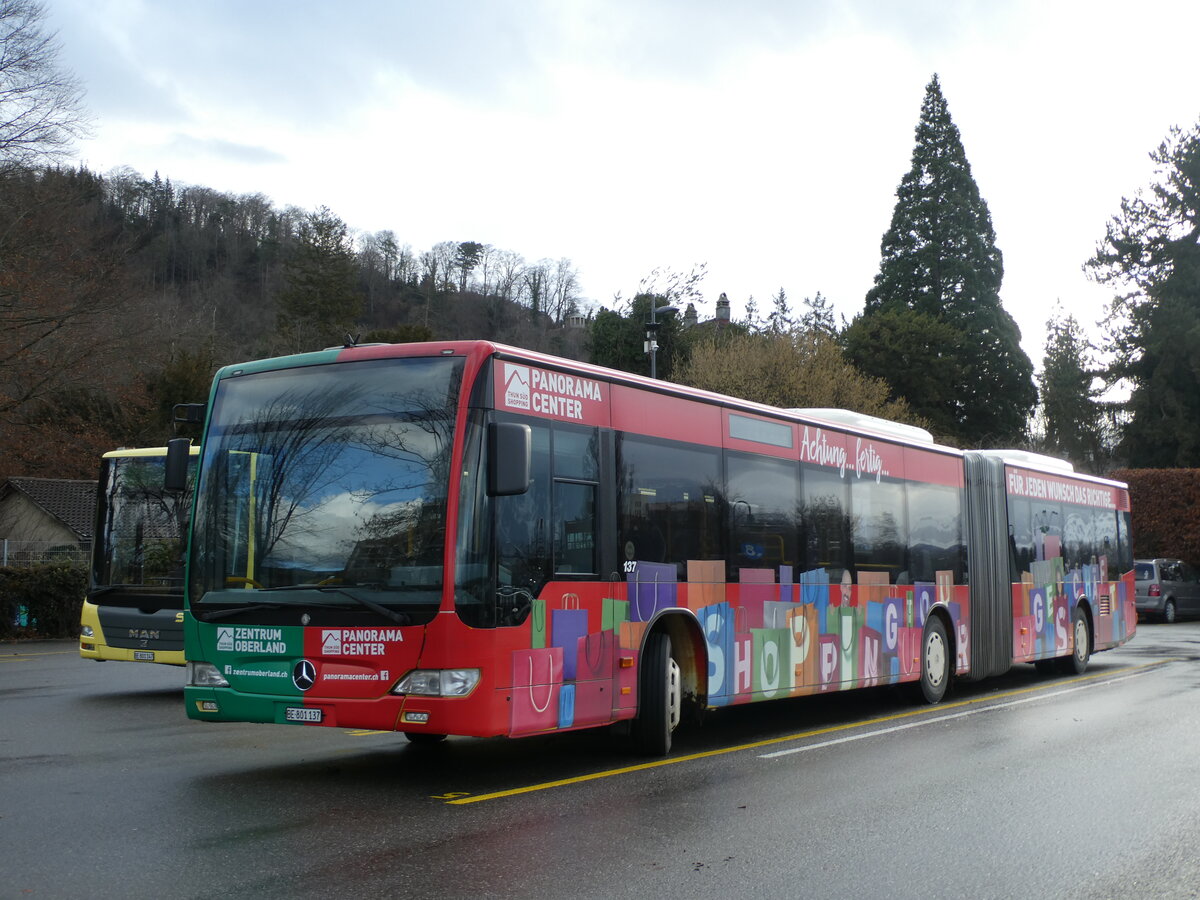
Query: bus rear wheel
{"type": "Point", "coordinates": [935, 663]}
{"type": "Point", "coordinates": [659, 698]}
{"type": "Point", "coordinates": [1077, 662]}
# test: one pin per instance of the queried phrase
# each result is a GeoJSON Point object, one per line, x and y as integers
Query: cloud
{"type": "Point", "coordinates": [765, 138]}
{"type": "Point", "coordinates": [184, 146]}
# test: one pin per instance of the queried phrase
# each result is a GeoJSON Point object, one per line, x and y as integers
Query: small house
{"type": "Point", "coordinates": [45, 514]}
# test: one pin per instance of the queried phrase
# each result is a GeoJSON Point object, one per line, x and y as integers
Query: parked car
{"type": "Point", "coordinates": [1166, 588]}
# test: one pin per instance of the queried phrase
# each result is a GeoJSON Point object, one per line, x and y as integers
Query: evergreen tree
{"type": "Point", "coordinates": [818, 316]}
{"type": "Point", "coordinates": [780, 320]}
{"type": "Point", "coordinates": [617, 340]}
{"type": "Point", "coordinates": [1152, 251]}
{"type": "Point", "coordinates": [321, 301]}
{"type": "Point", "coordinates": [940, 261]}
{"type": "Point", "coordinates": [919, 356]}
{"type": "Point", "coordinates": [1071, 408]}
{"type": "Point", "coordinates": [752, 321]}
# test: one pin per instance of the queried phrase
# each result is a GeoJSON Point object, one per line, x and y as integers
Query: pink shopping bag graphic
{"type": "Point", "coordinates": [537, 682]}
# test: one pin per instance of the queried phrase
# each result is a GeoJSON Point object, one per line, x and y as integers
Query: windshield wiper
{"type": "Point", "coordinates": [234, 610]}
{"type": "Point", "coordinates": [397, 617]}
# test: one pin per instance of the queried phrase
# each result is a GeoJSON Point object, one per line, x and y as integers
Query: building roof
{"type": "Point", "coordinates": [71, 502]}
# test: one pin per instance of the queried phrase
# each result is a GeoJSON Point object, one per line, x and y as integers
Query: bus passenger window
{"type": "Point", "coordinates": [668, 502]}
{"type": "Point", "coordinates": [824, 517]}
{"type": "Point", "coordinates": [763, 511]}
{"type": "Point", "coordinates": [1022, 546]}
{"type": "Point", "coordinates": [934, 531]}
{"type": "Point", "coordinates": [879, 528]}
{"type": "Point", "coordinates": [574, 529]}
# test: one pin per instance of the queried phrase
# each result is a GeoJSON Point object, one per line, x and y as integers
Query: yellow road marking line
{"type": "Point", "coordinates": [17, 656]}
{"type": "Point", "coordinates": [930, 711]}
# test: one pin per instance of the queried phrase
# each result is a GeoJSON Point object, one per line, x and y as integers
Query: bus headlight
{"type": "Point", "coordinates": [86, 631]}
{"type": "Point", "coordinates": [204, 674]}
{"type": "Point", "coordinates": [438, 682]}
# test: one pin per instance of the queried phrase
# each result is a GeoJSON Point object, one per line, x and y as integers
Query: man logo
{"type": "Point", "coordinates": [304, 675]}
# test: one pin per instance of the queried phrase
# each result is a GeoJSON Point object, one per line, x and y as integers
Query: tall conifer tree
{"type": "Point", "coordinates": [1152, 253]}
{"type": "Point", "coordinates": [1071, 406]}
{"type": "Point", "coordinates": [940, 262]}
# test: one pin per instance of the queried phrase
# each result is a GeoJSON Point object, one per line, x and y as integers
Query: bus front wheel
{"type": "Point", "coordinates": [659, 698]}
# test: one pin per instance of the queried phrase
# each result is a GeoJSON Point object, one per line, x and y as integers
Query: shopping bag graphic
{"type": "Point", "coordinates": [706, 583]}
{"type": "Point", "coordinates": [870, 656]}
{"type": "Point", "coordinates": [829, 658]}
{"type": "Point", "coordinates": [1062, 634]}
{"type": "Point", "coordinates": [594, 656]}
{"type": "Point", "coordinates": [1041, 611]}
{"type": "Point", "coordinates": [630, 634]}
{"type": "Point", "coordinates": [872, 586]}
{"type": "Point", "coordinates": [814, 584]}
{"type": "Point", "coordinates": [537, 624]}
{"type": "Point", "coordinates": [567, 626]}
{"type": "Point", "coordinates": [756, 587]}
{"type": "Point", "coordinates": [848, 628]}
{"type": "Point", "coordinates": [537, 683]}
{"type": "Point", "coordinates": [925, 595]}
{"type": "Point", "coordinates": [717, 624]}
{"type": "Point", "coordinates": [652, 587]}
{"type": "Point", "coordinates": [910, 652]}
{"type": "Point", "coordinates": [776, 612]}
{"type": "Point", "coordinates": [743, 666]}
{"type": "Point", "coordinates": [787, 590]}
{"type": "Point", "coordinates": [885, 618]}
{"type": "Point", "coordinates": [613, 612]}
{"type": "Point", "coordinates": [593, 702]}
{"type": "Point", "coordinates": [566, 706]}
{"type": "Point", "coordinates": [802, 628]}
{"type": "Point", "coordinates": [1024, 638]}
{"type": "Point", "coordinates": [771, 656]}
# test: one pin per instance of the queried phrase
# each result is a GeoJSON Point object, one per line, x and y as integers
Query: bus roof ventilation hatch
{"type": "Point", "coordinates": [1036, 460]}
{"type": "Point", "coordinates": [882, 427]}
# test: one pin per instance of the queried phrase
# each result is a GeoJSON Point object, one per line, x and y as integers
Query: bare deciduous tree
{"type": "Point", "coordinates": [41, 104]}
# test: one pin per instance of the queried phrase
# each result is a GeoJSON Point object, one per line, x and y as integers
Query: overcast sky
{"type": "Point", "coordinates": [765, 139]}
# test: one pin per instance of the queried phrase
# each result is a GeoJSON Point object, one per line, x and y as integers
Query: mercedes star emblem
{"type": "Point", "coordinates": [304, 675]}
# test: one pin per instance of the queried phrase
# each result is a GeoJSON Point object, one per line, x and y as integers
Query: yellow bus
{"type": "Point", "coordinates": [134, 608]}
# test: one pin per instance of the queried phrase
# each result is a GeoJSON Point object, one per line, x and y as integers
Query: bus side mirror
{"type": "Point", "coordinates": [510, 449]}
{"type": "Point", "coordinates": [189, 413]}
{"type": "Point", "coordinates": [176, 468]}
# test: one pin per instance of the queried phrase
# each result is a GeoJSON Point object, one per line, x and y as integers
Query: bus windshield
{"type": "Point", "coordinates": [140, 531]}
{"type": "Point", "coordinates": [325, 487]}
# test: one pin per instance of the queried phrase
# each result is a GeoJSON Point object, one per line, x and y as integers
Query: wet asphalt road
{"type": "Point", "coordinates": [1016, 786]}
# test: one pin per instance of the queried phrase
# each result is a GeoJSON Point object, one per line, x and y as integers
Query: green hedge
{"type": "Point", "coordinates": [41, 601]}
{"type": "Point", "coordinates": [1166, 512]}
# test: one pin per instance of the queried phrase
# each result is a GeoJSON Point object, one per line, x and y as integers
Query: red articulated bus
{"type": "Point", "coordinates": [471, 539]}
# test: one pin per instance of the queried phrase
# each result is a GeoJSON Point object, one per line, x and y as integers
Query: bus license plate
{"type": "Point", "coordinates": [144, 655]}
{"type": "Point", "coordinates": [302, 714]}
